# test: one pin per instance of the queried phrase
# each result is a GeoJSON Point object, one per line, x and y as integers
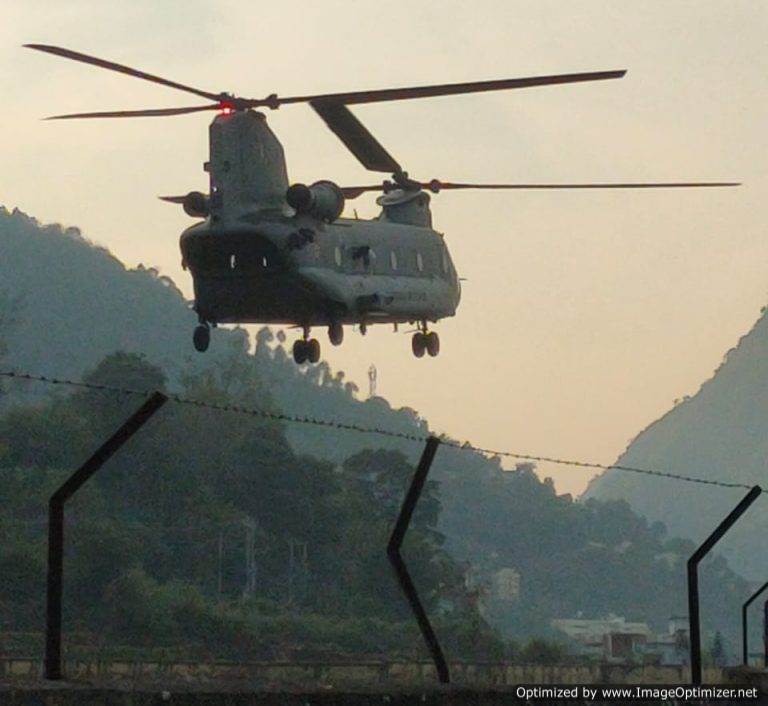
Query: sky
{"type": "Point", "coordinates": [584, 315]}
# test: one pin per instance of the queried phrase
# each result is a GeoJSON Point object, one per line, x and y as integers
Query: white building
{"type": "Point", "coordinates": [614, 639]}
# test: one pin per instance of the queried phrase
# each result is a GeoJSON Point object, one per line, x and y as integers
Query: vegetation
{"type": "Point", "coordinates": [719, 434]}
{"type": "Point", "coordinates": [156, 540]}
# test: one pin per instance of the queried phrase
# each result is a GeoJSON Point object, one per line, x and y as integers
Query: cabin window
{"type": "Point", "coordinates": [364, 257]}
{"type": "Point", "coordinates": [393, 259]}
{"type": "Point", "coordinates": [337, 256]}
{"type": "Point", "coordinates": [232, 262]}
{"type": "Point", "coordinates": [419, 262]}
{"type": "Point", "coordinates": [445, 262]}
{"type": "Point", "coordinates": [264, 261]}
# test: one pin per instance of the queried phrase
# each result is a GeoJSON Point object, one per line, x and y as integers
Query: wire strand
{"type": "Point", "coordinates": [344, 426]}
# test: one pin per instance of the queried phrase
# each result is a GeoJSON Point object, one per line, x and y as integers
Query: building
{"type": "Point", "coordinates": [615, 640]}
{"type": "Point", "coordinates": [505, 585]}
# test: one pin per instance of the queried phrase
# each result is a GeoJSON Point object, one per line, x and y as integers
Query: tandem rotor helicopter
{"type": "Point", "coordinates": [269, 253]}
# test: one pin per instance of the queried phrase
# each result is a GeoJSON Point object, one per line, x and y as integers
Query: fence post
{"type": "Point", "coordinates": [744, 633]}
{"type": "Point", "coordinates": [693, 578]}
{"type": "Point", "coordinates": [393, 552]}
{"type": "Point", "coordinates": [765, 635]}
{"type": "Point", "coordinates": [56, 526]}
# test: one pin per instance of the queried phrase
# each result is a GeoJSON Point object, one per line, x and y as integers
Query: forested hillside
{"type": "Point", "coordinates": [719, 433]}
{"type": "Point", "coordinates": [165, 527]}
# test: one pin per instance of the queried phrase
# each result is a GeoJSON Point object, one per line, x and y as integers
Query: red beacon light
{"type": "Point", "coordinates": [226, 109]}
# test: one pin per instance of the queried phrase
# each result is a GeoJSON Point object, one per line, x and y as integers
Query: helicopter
{"type": "Point", "coordinates": [268, 252]}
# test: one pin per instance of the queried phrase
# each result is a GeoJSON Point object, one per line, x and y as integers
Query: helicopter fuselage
{"type": "Point", "coordinates": [300, 271]}
{"type": "Point", "coordinates": [257, 259]}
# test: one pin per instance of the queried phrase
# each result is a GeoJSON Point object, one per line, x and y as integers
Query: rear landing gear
{"type": "Point", "coordinates": [433, 343]}
{"type": "Point", "coordinates": [201, 338]}
{"type": "Point", "coordinates": [313, 350]}
{"type": "Point", "coordinates": [425, 342]}
{"type": "Point", "coordinates": [418, 344]}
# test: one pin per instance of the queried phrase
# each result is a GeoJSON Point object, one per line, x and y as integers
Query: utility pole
{"type": "Point", "coordinates": [221, 561]}
{"type": "Point", "coordinates": [250, 563]}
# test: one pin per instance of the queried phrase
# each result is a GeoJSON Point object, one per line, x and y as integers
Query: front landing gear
{"type": "Point", "coordinates": [306, 350]}
{"type": "Point", "coordinates": [425, 341]}
{"type": "Point", "coordinates": [201, 338]}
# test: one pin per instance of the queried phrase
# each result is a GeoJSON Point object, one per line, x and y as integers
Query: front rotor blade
{"type": "Point", "coordinates": [112, 66]}
{"type": "Point", "coordinates": [358, 140]}
{"type": "Point", "coordinates": [150, 112]}
{"type": "Point", "coordinates": [435, 186]}
{"type": "Point", "coordinates": [449, 89]}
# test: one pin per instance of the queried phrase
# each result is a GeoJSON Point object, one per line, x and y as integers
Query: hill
{"type": "Point", "coordinates": [720, 432]}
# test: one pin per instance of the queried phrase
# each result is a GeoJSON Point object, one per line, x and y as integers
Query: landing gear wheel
{"type": "Point", "coordinates": [313, 350]}
{"type": "Point", "coordinates": [300, 352]}
{"type": "Point", "coordinates": [432, 343]}
{"type": "Point", "coordinates": [201, 338]}
{"type": "Point", "coordinates": [418, 344]}
{"type": "Point", "coordinates": [336, 334]}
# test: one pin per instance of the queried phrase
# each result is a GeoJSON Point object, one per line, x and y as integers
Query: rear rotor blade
{"type": "Point", "coordinates": [435, 186]}
{"type": "Point", "coordinates": [358, 140]}
{"type": "Point", "coordinates": [150, 112]}
{"type": "Point", "coordinates": [173, 199]}
{"type": "Point", "coordinates": [448, 89]}
{"type": "Point", "coordinates": [112, 66]}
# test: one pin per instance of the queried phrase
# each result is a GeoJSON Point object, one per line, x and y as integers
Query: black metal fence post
{"type": "Point", "coordinates": [744, 634]}
{"type": "Point", "coordinates": [765, 635]}
{"type": "Point", "coordinates": [56, 526]}
{"type": "Point", "coordinates": [693, 578]}
{"type": "Point", "coordinates": [393, 552]}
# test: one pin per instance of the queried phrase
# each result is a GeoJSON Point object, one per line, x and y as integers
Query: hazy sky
{"type": "Point", "coordinates": [584, 314]}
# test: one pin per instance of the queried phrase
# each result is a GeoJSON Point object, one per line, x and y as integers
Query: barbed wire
{"type": "Point", "coordinates": [345, 426]}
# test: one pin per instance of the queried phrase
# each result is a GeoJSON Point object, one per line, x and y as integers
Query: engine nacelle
{"type": "Point", "coordinates": [323, 200]}
{"type": "Point", "coordinates": [196, 204]}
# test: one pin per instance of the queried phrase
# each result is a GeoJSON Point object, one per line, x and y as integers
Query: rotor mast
{"type": "Point", "coordinates": [246, 167]}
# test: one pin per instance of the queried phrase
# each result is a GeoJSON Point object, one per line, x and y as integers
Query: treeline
{"type": "Point", "coordinates": [207, 532]}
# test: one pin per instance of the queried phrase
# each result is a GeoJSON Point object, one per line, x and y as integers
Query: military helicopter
{"type": "Point", "coordinates": [269, 253]}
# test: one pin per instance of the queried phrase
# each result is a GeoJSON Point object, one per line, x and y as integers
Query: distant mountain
{"type": "Point", "coordinates": [76, 303]}
{"type": "Point", "coordinates": [719, 433]}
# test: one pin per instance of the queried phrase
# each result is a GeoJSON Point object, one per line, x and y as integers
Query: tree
{"type": "Point", "coordinates": [9, 313]}
{"type": "Point", "coordinates": [719, 655]}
